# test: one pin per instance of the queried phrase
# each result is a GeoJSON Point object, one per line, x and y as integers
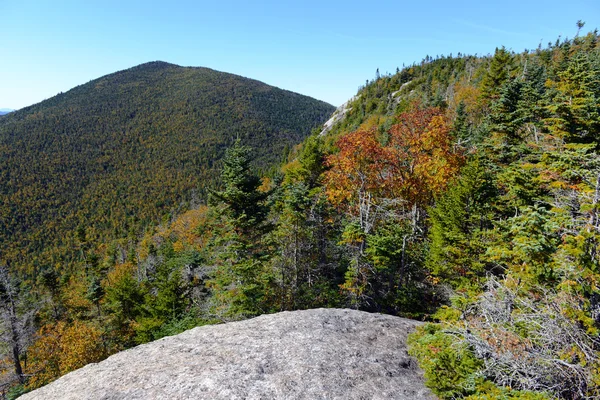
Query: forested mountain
{"type": "Point", "coordinates": [461, 190]}
{"type": "Point", "coordinates": [119, 152]}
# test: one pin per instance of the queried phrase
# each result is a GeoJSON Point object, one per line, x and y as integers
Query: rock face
{"type": "Point", "coordinates": [313, 354]}
{"type": "Point", "coordinates": [337, 115]}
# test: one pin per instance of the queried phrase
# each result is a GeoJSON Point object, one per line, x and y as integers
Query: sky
{"type": "Point", "coordinates": [323, 49]}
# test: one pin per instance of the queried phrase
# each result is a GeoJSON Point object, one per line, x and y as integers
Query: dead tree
{"type": "Point", "coordinates": [15, 324]}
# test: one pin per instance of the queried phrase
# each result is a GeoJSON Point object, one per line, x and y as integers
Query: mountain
{"type": "Point", "coordinates": [4, 111]}
{"type": "Point", "coordinates": [117, 153]}
{"type": "Point", "coordinates": [312, 354]}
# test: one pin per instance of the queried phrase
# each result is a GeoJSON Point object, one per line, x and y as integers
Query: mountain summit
{"type": "Point", "coordinates": [120, 151]}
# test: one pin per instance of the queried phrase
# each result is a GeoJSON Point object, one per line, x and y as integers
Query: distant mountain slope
{"type": "Point", "coordinates": [121, 150]}
{"type": "Point", "coordinates": [4, 111]}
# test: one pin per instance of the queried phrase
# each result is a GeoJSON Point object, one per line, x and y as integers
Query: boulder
{"type": "Point", "coordinates": [312, 354]}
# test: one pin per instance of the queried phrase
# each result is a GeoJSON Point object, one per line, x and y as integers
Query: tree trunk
{"type": "Point", "coordinates": [16, 351]}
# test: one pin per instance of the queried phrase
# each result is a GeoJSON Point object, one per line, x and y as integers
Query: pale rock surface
{"type": "Point", "coordinates": [313, 354]}
{"type": "Point", "coordinates": [337, 115]}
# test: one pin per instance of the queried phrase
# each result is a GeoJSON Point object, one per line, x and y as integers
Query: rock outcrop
{"type": "Point", "coordinates": [313, 354]}
{"type": "Point", "coordinates": [337, 116]}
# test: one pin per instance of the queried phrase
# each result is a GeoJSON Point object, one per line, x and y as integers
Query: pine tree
{"type": "Point", "coordinates": [242, 202]}
{"type": "Point", "coordinates": [575, 106]}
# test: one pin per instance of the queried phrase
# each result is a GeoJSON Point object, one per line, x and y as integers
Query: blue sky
{"type": "Point", "coordinates": [324, 49]}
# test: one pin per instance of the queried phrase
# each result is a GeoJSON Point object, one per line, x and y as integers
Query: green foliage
{"type": "Point", "coordinates": [380, 214]}
{"type": "Point", "coordinates": [534, 330]}
{"type": "Point", "coordinates": [16, 391]}
{"type": "Point", "coordinates": [527, 241]}
{"type": "Point", "coordinates": [305, 263]}
{"type": "Point", "coordinates": [169, 295]}
{"type": "Point", "coordinates": [239, 280]}
{"type": "Point", "coordinates": [575, 106]}
{"type": "Point", "coordinates": [499, 71]}
{"type": "Point", "coordinates": [398, 282]}
{"type": "Point", "coordinates": [451, 369]}
{"type": "Point", "coordinates": [182, 324]}
{"type": "Point", "coordinates": [242, 201]}
{"type": "Point", "coordinates": [489, 391]}
{"type": "Point", "coordinates": [124, 302]}
{"type": "Point", "coordinates": [459, 224]}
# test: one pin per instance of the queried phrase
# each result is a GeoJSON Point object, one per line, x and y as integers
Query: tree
{"type": "Point", "coordinates": [16, 321]}
{"type": "Point", "coordinates": [238, 280]}
{"type": "Point", "coordinates": [580, 24]}
{"type": "Point", "coordinates": [459, 221]}
{"type": "Point", "coordinates": [422, 157]}
{"type": "Point", "coordinates": [527, 340]}
{"type": "Point", "coordinates": [506, 114]}
{"type": "Point", "coordinates": [498, 73]}
{"type": "Point", "coordinates": [62, 348]}
{"type": "Point", "coordinates": [124, 301]}
{"type": "Point", "coordinates": [358, 176]}
{"type": "Point", "coordinates": [575, 105]}
{"type": "Point", "coordinates": [242, 202]}
{"type": "Point", "coordinates": [389, 177]}
{"type": "Point", "coordinates": [461, 127]}
{"type": "Point", "coordinates": [407, 166]}
{"type": "Point", "coordinates": [304, 261]}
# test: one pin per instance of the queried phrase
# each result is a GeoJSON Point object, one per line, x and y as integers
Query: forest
{"type": "Point", "coordinates": [462, 191]}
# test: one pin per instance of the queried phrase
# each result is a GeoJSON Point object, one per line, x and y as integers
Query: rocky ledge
{"type": "Point", "coordinates": [313, 354]}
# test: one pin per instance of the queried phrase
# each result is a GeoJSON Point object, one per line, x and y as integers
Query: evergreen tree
{"type": "Point", "coordinates": [239, 280]}
{"type": "Point", "coordinates": [506, 113]}
{"type": "Point", "coordinates": [461, 127]}
{"type": "Point", "coordinates": [498, 73]}
{"type": "Point", "coordinates": [240, 199]}
{"type": "Point", "coordinates": [575, 106]}
{"type": "Point", "coordinates": [459, 222]}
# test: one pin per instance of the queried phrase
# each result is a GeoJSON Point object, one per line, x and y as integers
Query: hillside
{"type": "Point", "coordinates": [473, 184]}
{"type": "Point", "coordinates": [113, 155]}
{"type": "Point", "coordinates": [314, 354]}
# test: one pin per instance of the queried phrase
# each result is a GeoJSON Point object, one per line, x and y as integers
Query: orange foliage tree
{"type": "Point", "coordinates": [389, 176]}
{"type": "Point", "coordinates": [358, 175]}
{"type": "Point", "coordinates": [422, 158]}
{"type": "Point", "coordinates": [410, 164]}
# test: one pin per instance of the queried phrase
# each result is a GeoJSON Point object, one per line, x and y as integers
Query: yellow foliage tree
{"type": "Point", "coordinates": [62, 348]}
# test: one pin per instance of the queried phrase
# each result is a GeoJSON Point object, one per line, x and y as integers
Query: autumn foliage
{"type": "Point", "coordinates": [62, 348]}
{"type": "Point", "coordinates": [380, 178]}
{"type": "Point", "coordinates": [412, 162]}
